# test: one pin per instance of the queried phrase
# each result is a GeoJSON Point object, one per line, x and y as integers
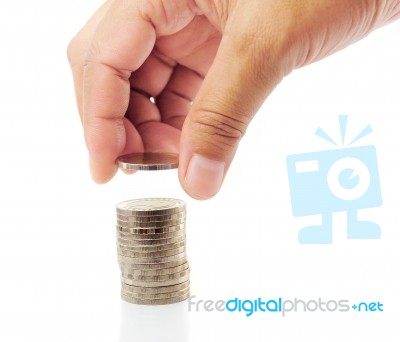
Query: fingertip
{"type": "Point", "coordinates": [102, 173]}
{"type": "Point", "coordinates": [128, 172]}
{"type": "Point", "coordinates": [202, 177]}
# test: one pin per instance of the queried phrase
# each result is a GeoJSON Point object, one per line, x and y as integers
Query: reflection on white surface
{"type": "Point", "coordinates": [147, 323]}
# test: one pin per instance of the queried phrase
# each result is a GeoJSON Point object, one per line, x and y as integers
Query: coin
{"type": "Point", "coordinates": [146, 266]}
{"type": "Point", "coordinates": [155, 283]}
{"type": "Point", "coordinates": [154, 290]}
{"type": "Point", "coordinates": [151, 234]}
{"type": "Point", "coordinates": [151, 255]}
{"type": "Point", "coordinates": [129, 271]}
{"type": "Point", "coordinates": [149, 161]}
{"type": "Point", "coordinates": [156, 248]}
{"type": "Point", "coordinates": [146, 296]}
{"type": "Point", "coordinates": [149, 225]}
{"type": "Point", "coordinates": [155, 301]}
{"type": "Point", "coordinates": [151, 231]}
{"type": "Point", "coordinates": [151, 206]}
{"type": "Point", "coordinates": [158, 238]}
{"type": "Point", "coordinates": [154, 218]}
{"type": "Point", "coordinates": [147, 260]}
{"type": "Point", "coordinates": [151, 249]}
{"type": "Point", "coordinates": [138, 219]}
{"type": "Point", "coordinates": [157, 278]}
{"type": "Point", "coordinates": [127, 274]}
{"type": "Point", "coordinates": [151, 239]}
{"type": "Point", "coordinates": [140, 233]}
{"type": "Point", "coordinates": [144, 226]}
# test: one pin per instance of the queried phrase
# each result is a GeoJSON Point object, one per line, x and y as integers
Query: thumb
{"type": "Point", "coordinates": [240, 78]}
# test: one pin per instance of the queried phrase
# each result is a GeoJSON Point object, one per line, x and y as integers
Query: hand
{"type": "Point", "coordinates": [187, 76]}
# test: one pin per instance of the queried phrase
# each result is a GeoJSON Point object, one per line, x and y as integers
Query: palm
{"type": "Point", "coordinates": [172, 75]}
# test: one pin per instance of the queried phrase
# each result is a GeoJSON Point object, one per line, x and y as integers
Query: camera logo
{"type": "Point", "coordinates": [344, 179]}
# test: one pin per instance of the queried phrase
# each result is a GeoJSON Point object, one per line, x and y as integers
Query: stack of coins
{"type": "Point", "coordinates": [151, 245]}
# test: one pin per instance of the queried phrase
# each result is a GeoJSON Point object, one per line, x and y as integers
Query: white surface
{"type": "Point", "coordinates": [58, 268]}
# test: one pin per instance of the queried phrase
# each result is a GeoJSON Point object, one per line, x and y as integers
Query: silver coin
{"type": "Point", "coordinates": [151, 249]}
{"type": "Point", "coordinates": [127, 259]}
{"type": "Point", "coordinates": [141, 233]}
{"type": "Point", "coordinates": [157, 278]}
{"type": "Point", "coordinates": [150, 225]}
{"type": "Point", "coordinates": [147, 230]}
{"type": "Point", "coordinates": [126, 271]}
{"type": "Point", "coordinates": [127, 264]}
{"type": "Point", "coordinates": [151, 255]}
{"type": "Point", "coordinates": [156, 296]}
{"type": "Point", "coordinates": [150, 221]}
{"type": "Point", "coordinates": [149, 161]}
{"type": "Point", "coordinates": [130, 289]}
{"type": "Point", "coordinates": [152, 242]}
{"type": "Point", "coordinates": [151, 206]}
{"type": "Point", "coordinates": [131, 245]}
{"type": "Point", "coordinates": [135, 239]}
{"type": "Point", "coordinates": [153, 233]}
{"type": "Point", "coordinates": [153, 218]}
{"type": "Point", "coordinates": [147, 260]}
{"type": "Point", "coordinates": [137, 215]}
{"type": "Point", "coordinates": [155, 283]}
{"type": "Point", "coordinates": [135, 275]}
{"type": "Point", "coordinates": [161, 242]}
{"type": "Point", "coordinates": [131, 273]}
{"type": "Point", "coordinates": [131, 227]}
{"type": "Point", "coordinates": [155, 301]}
{"type": "Point", "coordinates": [151, 237]}
{"type": "Point", "coordinates": [147, 249]}
{"type": "Point", "coordinates": [146, 296]}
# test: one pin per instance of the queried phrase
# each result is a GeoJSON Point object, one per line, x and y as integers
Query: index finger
{"type": "Point", "coordinates": [122, 42]}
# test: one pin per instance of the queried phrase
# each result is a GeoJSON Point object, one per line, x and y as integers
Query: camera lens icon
{"type": "Point", "coordinates": [348, 179]}
{"type": "Point", "coordinates": [325, 182]}
{"type": "Point", "coordinates": [334, 180]}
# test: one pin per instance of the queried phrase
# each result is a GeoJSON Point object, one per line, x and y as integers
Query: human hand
{"type": "Point", "coordinates": [138, 66]}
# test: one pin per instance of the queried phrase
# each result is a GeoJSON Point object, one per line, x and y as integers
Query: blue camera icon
{"type": "Point", "coordinates": [324, 182]}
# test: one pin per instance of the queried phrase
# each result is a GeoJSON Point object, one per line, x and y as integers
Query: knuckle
{"type": "Point", "coordinates": [71, 51]}
{"type": "Point", "coordinates": [218, 129]}
{"type": "Point", "coordinates": [75, 52]}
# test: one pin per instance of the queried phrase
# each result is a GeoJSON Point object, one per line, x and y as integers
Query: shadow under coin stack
{"type": "Point", "coordinates": [151, 243]}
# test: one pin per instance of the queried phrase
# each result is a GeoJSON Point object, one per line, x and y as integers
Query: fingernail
{"type": "Point", "coordinates": [204, 176]}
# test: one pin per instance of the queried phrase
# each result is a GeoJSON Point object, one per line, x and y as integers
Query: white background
{"type": "Point", "coordinates": [59, 277]}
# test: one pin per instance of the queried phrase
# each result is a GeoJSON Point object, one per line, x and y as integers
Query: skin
{"type": "Point", "coordinates": [207, 65]}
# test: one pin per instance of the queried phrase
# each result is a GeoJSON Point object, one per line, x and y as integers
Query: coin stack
{"type": "Point", "coordinates": [151, 245]}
